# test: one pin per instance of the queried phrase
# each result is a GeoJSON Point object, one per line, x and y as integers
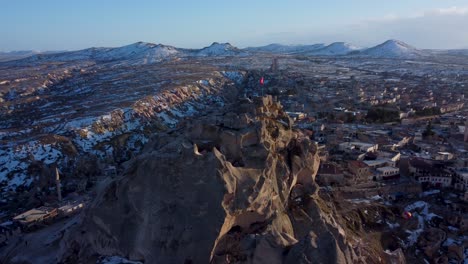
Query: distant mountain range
{"type": "Point", "coordinates": [391, 49]}
{"type": "Point", "coordinates": [279, 48]}
{"type": "Point", "coordinates": [144, 53]}
{"type": "Point", "coordinates": [19, 54]}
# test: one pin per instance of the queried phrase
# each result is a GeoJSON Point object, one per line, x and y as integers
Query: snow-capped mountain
{"type": "Point", "coordinates": [139, 53]}
{"type": "Point", "coordinates": [219, 49]}
{"type": "Point", "coordinates": [337, 48]}
{"type": "Point", "coordinates": [393, 49]}
{"type": "Point", "coordinates": [280, 48]}
{"type": "Point", "coordinates": [136, 53]}
{"type": "Point", "coordinates": [146, 53]}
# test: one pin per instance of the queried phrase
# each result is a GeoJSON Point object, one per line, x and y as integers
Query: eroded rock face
{"type": "Point", "coordinates": [235, 187]}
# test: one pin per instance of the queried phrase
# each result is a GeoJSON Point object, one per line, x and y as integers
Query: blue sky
{"type": "Point", "coordinates": [68, 25]}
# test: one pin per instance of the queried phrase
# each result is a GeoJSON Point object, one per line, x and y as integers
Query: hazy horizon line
{"type": "Point", "coordinates": [231, 43]}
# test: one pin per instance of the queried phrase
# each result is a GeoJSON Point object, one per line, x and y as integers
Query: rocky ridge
{"type": "Point", "coordinates": [237, 186]}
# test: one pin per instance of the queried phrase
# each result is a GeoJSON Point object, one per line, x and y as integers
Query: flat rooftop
{"type": "Point", "coordinates": [374, 162]}
{"type": "Point", "coordinates": [33, 214]}
{"type": "Point", "coordinates": [388, 169]}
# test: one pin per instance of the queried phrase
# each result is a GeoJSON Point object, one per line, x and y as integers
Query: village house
{"type": "Point", "coordinates": [297, 116]}
{"type": "Point", "coordinates": [330, 174]}
{"type": "Point", "coordinates": [70, 208]}
{"type": "Point", "coordinates": [387, 173]}
{"type": "Point", "coordinates": [359, 170]}
{"type": "Point", "coordinates": [438, 181]}
{"type": "Point", "coordinates": [461, 179]}
{"type": "Point", "coordinates": [451, 107]}
{"type": "Point", "coordinates": [464, 197]}
{"type": "Point", "coordinates": [443, 156]}
{"type": "Point", "coordinates": [316, 127]}
{"type": "Point", "coordinates": [426, 172]}
{"type": "Point", "coordinates": [36, 216]}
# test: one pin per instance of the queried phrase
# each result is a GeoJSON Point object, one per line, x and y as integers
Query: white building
{"type": "Point", "coordinates": [461, 179]}
{"type": "Point", "coordinates": [436, 180]}
{"type": "Point", "coordinates": [364, 147]}
{"type": "Point", "coordinates": [443, 156]}
{"type": "Point", "coordinates": [387, 173]}
{"type": "Point", "coordinates": [424, 172]}
{"type": "Point", "coordinates": [466, 131]}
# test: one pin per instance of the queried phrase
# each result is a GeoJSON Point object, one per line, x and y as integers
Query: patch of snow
{"type": "Point", "coordinates": [431, 192]}
{"type": "Point", "coordinates": [234, 76]}
{"type": "Point", "coordinates": [7, 223]}
{"type": "Point", "coordinates": [337, 48]}
{"type": "Point", "coordinates": [80, 122]}
{"type": "Point", "coordinates": [415, 205]}
{"type": "Point", "coordinates": [116, 260]}
{"type": "Point", "coordinates": [13, 163]}
{"type": "Point", "coordinates": [392, 226]}
{"type": "Point", "coordinates": [449, 242]}
{"type": "Point", "coordinates": [413, 237]}
{"type": "Point", "coordinates": [423, 216]}
{"type": "Point", "coordinates": [358, 201]}
{"type": "Point", "coordinates": [167, 119]}
{"type": "Point", "coordinates": [106, 117]}
{"type": "Point", "coordinates": [203, 82]}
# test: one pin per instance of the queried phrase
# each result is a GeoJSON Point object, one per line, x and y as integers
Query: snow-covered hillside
{"type": "Point", "coordinates": [337, 48]}
{"type": "Point", "coordinates": [91, 132]}
{"type": "Point", "coordinates": [140, 51]}
{"type": "Point", "coordinates": [393, 49]}
{"type": "Point", "coordinates": [136, 53]}
{"type": "Point", "coordinates": [219, 49]}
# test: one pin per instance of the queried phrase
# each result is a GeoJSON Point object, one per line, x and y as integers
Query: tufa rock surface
{"type": "Point", "coordinates": [234, 187]}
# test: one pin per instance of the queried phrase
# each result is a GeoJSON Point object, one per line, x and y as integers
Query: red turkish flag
{"type": "Point", "coordinates": [262, 81]}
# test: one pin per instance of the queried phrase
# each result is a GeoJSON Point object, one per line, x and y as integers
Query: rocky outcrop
{"type": "Point", "coordinates": [237, 186]}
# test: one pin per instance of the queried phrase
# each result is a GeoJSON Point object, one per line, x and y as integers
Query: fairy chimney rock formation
{"type": "Point", "coordinates": [235, 187]}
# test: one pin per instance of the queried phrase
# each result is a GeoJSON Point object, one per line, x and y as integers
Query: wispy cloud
{"type": "Point", "coordinates": [454, 10]}
{"type": "Point", "coordinates": [435, 28]}
{"type": "Point", "coordinates": [449, 11]}
{"type": "Point", "coordinates": [441, 28]}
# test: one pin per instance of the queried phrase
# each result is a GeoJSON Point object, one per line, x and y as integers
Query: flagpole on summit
{"type": "Point", "coordinates": [262, 81]}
